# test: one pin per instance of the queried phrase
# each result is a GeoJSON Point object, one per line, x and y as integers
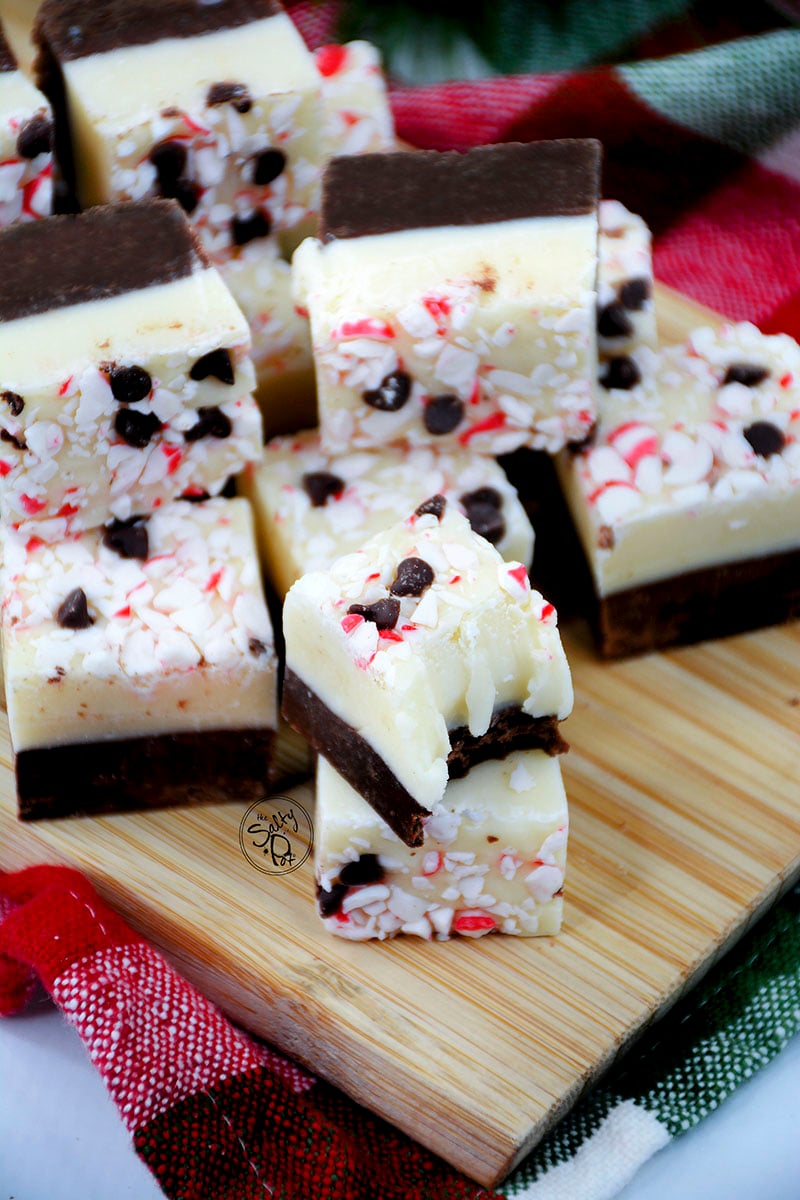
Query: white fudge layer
{"type": "Point", "coordinates": [63, 463]}
{"type": "Point", "coordinates": [477, 639]}
{"type": "Point", "coordinates": [26, 184]}
{"type": "Point", "coordinates": [180, 641]}
{"type": "Point", "coordinates": [687, 471]}
{"type": "Point", "coordinates": [499, 318]}
{"type": "Point", "coordinates": [304, 523]}
{"type": "Point", "coordinates": [625, 280]}
{"type": "Point", "coordinates": [493, 858]}
{"type": "Point", "coordinates": [126, 101]}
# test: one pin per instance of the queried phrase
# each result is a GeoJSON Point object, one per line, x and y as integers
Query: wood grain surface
{"type": "Point", "coordinates": [685, 825]}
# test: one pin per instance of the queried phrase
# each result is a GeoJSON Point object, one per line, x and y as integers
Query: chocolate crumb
{"type": "Point", "coordinates": [129, 384]}
{"type": "Point", "coordinates": [136, 428]}
{"type": "Point", "coordinates": [256, 647]}
{"type": "Point", "coordinates": [235, 93]}
{"type": "Point", "coordinates": [765, 438]}
{"type": "Point", "coordinates": [414, 576]}
{"type": "Point", "coordinates": [613, 321]}
{"type": "Point", "coordinates": [35, 137]}
{"type": "Point", "coordinates": [268, 165]}
{"type": "Point", "coordinates": [490, 837]}
{"type": "Point", "coordinates": [329, 902]}
{"type": "Point", "coordinates": [487, 280]}
{"type": "Point", "coordinates": [129, 538]}
{"type": "Point", "coordinates": [392, 393]}
{"type": "Point", "coordinates": [442, 414]}
{"type": "Point", "coordinates": [14, 402]}
{"type": "Point", "coordinates": [74, 611]}
{"type": "Point", "coordinates": [217, 363]}
{"type": "Point", "coordinates": [383, 613]}
{"type": "Point", "coordinates": [605, 537]}
{"type": "Point", "coordinates": [621, 372]}
{"type": "Point", "coordinates": [435, 506]}
{"type": "Point", "coordinates": [366, 869]}
{"type": "Point", "coordinates": [634, 294]}
{"type": "Point", "coordinates": [212, 423]}
{"type": "Point", "coordinates": [59, 675]}
{"type": "Point", "coordinates": [321, 486]}
{"type": "Point", "coordinates": [750, 374]}
{"type": "Point", "coordinates": [19, 442]}
{"type": "Point", "coordinates": [484, 509]}
{"type": "Point", "coordinates": [247, 229]}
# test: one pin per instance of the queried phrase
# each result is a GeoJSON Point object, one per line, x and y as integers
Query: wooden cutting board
{"type": "Point", "coordinates": [684, 792]}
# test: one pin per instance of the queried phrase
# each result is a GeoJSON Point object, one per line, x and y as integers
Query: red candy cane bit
{"type": "Point", "coordinates": [62, 391]}
{"type": "Point", "coordinates": [301, 311]}
{"type": "Point", "coordinates": [432, 862]}
{"type": "Point", "coordinates": [493, 421]}
{"type": "Point", "coordinates": [5, 467]}
{"type": "Point", "coordinates": [408, 628]}
{"type": "Point", "coordinates": [455, 579]}
{"type": "Point", "coordinates": [33, 543]}
{"type": "Point", "coordinates": [31, 505]}
{"type": "Point", "coordinates": [520, 575]}
{"type": "Point", "coordinates": [475, 394]}
{"type": "Point", "coordinates": [351, 622]}
{"type": "Point", "coordinates": [547, 611]}
{"type": "Point", "coordinates": [786, 380]}
{"type": "Point", "coordinates": [389, 635]}
{"type": "Point", "coordinates": [173, 455]}
{"type": "Point", "coordinates": [473, 921]}
{"type": "Point", "coordinates": [213, 580]}
{"type": "Point", "coordinates": [370, 327]}
{"type": "Point", "coordinates": [438, 306]}
{"type": "Point", "coordinates": [68, 510]}
{"type": "Point", "coordinates": [123, 613]}
{"type": "Point", "coordinates": [330, 59]}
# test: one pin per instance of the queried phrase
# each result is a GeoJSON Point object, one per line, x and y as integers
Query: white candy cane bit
{"type": "Point", "coordinates": [615, 500]}
{"type": "Point", "coordinates": [544, 881]}
{"type": "Point", "coordinates": [688, 460]}
{"type": "Point", "coordinates": [360, 897]}
{"type": "Point", "coordinates": [605, 464]}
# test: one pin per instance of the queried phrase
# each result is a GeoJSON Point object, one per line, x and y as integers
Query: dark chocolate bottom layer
{"type": "Point", "coordinates": [708, 603]}
{"type": "Point", "coordinates": [365, 770]}
{"type": "Point", "coordinates": [146, 772]}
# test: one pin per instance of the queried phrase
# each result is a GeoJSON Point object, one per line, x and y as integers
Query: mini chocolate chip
{"type": "Point", "coordinates": [435, 506]}
{"type": "Point", "coordinates": [484, 509]}
{"type": "Point", "coordinates": [321, 485]}
{"type": "Point", "coordinates": [412, 578]}
{"type": "Point", "coordinates": [129, 384]}
{"type": "Point", "coordinates": [383, 613]}
{"type": "Point", "coordinates": [256, 647]}
{"type": "Point", "coordinates": [236, 93]}
{"type": "Point", "coordinates": [621, 372]}
{"type": "Point", "coordinates": [35, 137]}
{"type": "Point", "coordinates": [329, 902]}
{"type": "Point", "coordinates": [14, 402]}
{"type": "Point", "coordinates": [212, 423]}
{"type": "Point", "coordinates": [749, 374]}
{"type": "Point", "coordinates": [19, 442]}
{"type": "Point", "coordinates": [613, 321]}
{"type": "Point", "coordinates": [366, 869]}
{"type": "Point", "coordinates": [392, 393]}
{"type": "Point", "coordinates": [74, 611]}
{"type": "Point", "coordinates": [186, 193]}
{"type": "Point", "coordinates": [228, 489]}
{"type": "Point", "coordinates": [128, 538]}
{"type": "Point", "coordinates": [247, 229]}
{"type": "Point", "coordinates": [443, 413]}
{"type": "Point", "coordinates": [765, 438]}
{"type": "Point", "coordinates": [217, 363]}
{"type": "Point", "coordinates": [136, 428]}
{"type": "Point", "coordinates": [268, 165]}
{"type": "Point", "coordinates": [169, 159]}
{"type": "Point", "coordinates": [634, 294]}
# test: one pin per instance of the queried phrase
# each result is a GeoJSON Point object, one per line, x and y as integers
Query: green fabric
{"type": "Point", "coordinates": [745, 93]}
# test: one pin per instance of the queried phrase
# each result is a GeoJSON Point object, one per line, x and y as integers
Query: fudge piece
{"type": "Point", "coordinates": [26, 153]}
{"type": "Point", "coordinates": [312, 507]}
{"type": "Point", "coordinates": [452, 297]}
{"type": "Point", "coordinates": [139, 662]}
{"type": "Point", "coordinates": [687, 501]}
{"type": "Point", "coordinates": [214, 104]}
{"type": "Point", "coordinates": [418, 656]}
{"type": "Point", "coordinates": [124, 371]}
{"type": "Point", "coordinates": [626, 316]}
{"type": "Point", "coordinates": [260, 282]}
{"type": "Point", "coordinates": [492, 860]}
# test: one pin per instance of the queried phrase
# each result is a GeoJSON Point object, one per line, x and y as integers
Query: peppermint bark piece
{"type": "Point", "coordinates": [492, 859]}
{"type": "Point", "coordinates": [26, 145]}
{"type": "Point", "coordinates": [417, 657]}
{"type": "Point", "coordinates": [687, 503]}
{"type": "Point", "coordinates": [216, 105]}
{"type": "Point", "coordinates": [452, 297]}
{"type": "Point", "coordinates": [125, 376]}
{"type": "Point", "coordinates": [626, 317]}
{"type": "Point", "coordinates": [139, 663]}
{"type": "Point", "coordinates": [312, 507]}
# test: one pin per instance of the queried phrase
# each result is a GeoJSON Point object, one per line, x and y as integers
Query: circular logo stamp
{"type": "Point", "coordinates": [276, 835]}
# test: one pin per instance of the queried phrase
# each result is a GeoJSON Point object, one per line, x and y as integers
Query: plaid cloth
{"type": "Point", "coordinates": [706, 146]}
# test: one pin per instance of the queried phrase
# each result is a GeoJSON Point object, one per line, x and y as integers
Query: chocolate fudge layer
{"type": "Point", "coordinates": [147, 772]}
{"type": "Point", "coordinates": [73, 29]}
{"type": "Point", "coordinates": [94, 256]}
{"type": "Point", "coordinates": [385, 193]}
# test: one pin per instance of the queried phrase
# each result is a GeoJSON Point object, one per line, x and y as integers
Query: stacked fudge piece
{"type": "Point", "coordinates": [138, 653]}
{"type": "Point", "coordinates": [26, 152]}
{"type": "Point", "coordinates": [222, 107]}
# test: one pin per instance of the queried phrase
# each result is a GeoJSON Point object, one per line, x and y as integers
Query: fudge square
{"type": "Point", "coordinates": [139, 663]}
{"type": "Point", "coordinates": [687, 502]}
{"type": "Point", "coordinates": [312, 507]}
{"type": "Point", "coordinates": [452, 297]}
{"type": "Point", "coordinates": [26, 151]}
{"type": "Point", "coordinates": [125, 377]}
{"type": "Point", "coordinates": [213, 104]}
{"type": "Point", "coordinates": [416, 657]}
{"type": "Point", "coordinates": [492, 860]}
